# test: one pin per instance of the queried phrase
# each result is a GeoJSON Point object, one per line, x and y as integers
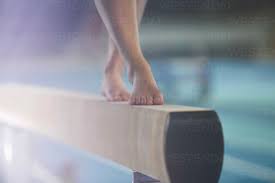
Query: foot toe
{"type": "Point", "coordinates": [116, 98]}
{"type": "Point", "coordinates": [149, 100]}
{"type": "Point", "coordinates": [119, 98]}
{"type": "Point", "coordinates": [135, 100]}
{"type": "Point", "coordinates": [158, 100]}
{"type": "Point", "coordinates": [143, 100]}
{"type": "Point", "coordinates": [138, 100]}
{"type": "Point", "coordinates": [132, 100]}
{"type": "Point", "coordinates": [124, 97]}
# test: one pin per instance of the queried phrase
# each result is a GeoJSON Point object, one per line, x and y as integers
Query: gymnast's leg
{"type": "Point", "coordinates": [113, 88]}
{"type": "Point", "coordinates": [121, 21]}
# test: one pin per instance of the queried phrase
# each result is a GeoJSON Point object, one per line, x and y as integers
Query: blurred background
{"type": "Point", "coordinates": [218, 54]}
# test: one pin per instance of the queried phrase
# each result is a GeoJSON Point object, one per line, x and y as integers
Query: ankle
{"type": "Point", "coordinates": [140, 67]}
{"type": "Point", "coordinates": [135, 60]}
{"type": "Point", "coordinates": [114, 67]}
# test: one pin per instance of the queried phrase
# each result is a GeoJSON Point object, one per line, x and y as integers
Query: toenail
{"type": "Point", "coordinates": [143, 100]}
{"type": "Point", "coordinates": [137, 100]}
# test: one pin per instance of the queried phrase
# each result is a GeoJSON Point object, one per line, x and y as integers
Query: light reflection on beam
{"type": "Point", "coordinates": [8, 152]}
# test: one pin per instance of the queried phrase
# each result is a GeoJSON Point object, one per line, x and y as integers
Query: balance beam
{"type": "Point", "coordinates": [173, 144]}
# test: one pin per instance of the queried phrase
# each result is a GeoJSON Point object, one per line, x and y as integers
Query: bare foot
{"type": "Point", "coordinates": [113, 88]}
{"type": "Point", "coordinates": [145, 91]}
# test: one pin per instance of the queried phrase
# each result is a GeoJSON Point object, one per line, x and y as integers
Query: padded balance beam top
{"type": "Point", "coordinates": [174, 144]}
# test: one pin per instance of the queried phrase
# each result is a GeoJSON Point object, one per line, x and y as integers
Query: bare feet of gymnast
{"type": "Point", "coordinates": [121, 18]}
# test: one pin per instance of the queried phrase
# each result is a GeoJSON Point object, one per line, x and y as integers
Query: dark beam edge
{"type": "Point", "coordinates": [194, 147]}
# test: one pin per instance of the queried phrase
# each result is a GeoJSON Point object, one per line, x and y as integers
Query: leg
{"type": "Point", "coordinates": [113, 87]}
{"type": "Point", "coordinates": [120, 19]}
